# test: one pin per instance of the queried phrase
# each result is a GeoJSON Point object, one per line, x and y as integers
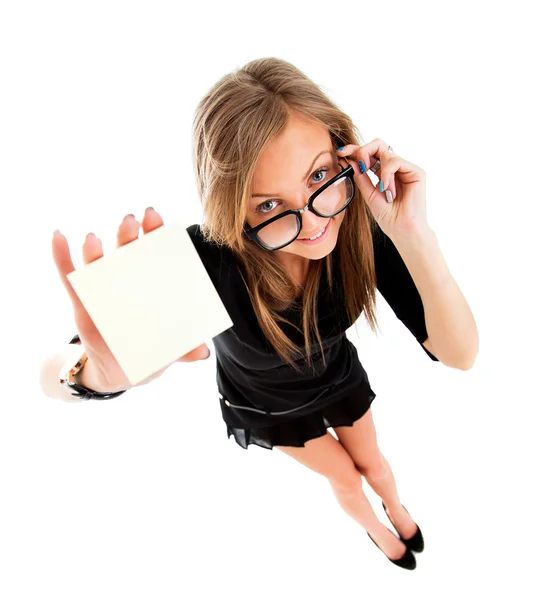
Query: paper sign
{"type": "Point", "coordinates": [152, 300]}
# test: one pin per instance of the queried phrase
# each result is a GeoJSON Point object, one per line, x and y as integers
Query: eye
{"type": "Point", "coordinates": [322, 170]}
{"type": "Point", "coordinates": [318, 176]}
{"type": "Point", "coordinates": [259, 210]}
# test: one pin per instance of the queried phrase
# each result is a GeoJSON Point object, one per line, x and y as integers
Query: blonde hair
{"type": "Point", "coordinates": [232, 125]}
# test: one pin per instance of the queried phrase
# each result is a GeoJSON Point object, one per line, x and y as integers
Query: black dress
{"type": "Point", "coordinates": [266, 402]}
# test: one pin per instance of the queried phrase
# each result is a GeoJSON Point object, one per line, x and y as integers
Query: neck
{"type": "Point", "coordinates": [297, 267]}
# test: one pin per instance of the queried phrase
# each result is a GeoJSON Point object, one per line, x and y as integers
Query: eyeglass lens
{"type": "Point", "coordinates": [329, 202]}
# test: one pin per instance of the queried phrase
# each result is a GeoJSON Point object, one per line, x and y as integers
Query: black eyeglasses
{"type": "Point", "coordinates": [330, 199]}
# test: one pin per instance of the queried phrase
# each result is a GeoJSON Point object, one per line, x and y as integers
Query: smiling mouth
{"type": "Point", "coordinates": [318, 234]}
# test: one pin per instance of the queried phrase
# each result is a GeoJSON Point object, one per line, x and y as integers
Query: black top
{"type": "Point", "coordinates": [250, 374]}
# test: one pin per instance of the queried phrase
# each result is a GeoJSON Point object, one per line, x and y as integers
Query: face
{"type": "Point", "coordinates": [293, 166]}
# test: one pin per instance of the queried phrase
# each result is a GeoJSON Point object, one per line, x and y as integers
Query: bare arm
{"type": "Point", "coordinates": [88, 377]}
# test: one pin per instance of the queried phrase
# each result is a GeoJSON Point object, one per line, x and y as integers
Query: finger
{"type": "Point", "coordinates": [201, 352]}
{"type": "Point", "coordinates": [365, 158]}
{"type": "Point", "coordinates": [63, 261]}
{"type": "Point", "coordinates": [386, 175]}
{"type": "Point", "coordinates": [128, 230]}
{"type": "Point", "coordinates": [408, 172]}
{"type": "Point", "coordinates": [369, 190]}
{"type": "Point", "coordinates": [151, 220]}
{"type": "Point", "coordinates": [369, 153]}
{"type": "Point", "coordinates": [92, 249]}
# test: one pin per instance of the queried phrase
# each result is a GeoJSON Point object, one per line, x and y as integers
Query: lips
{"type": "Point", "coordinates": [314, 235]}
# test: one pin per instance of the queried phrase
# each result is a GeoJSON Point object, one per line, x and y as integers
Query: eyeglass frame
{"type": "Point", "coordinates": [252, 232]}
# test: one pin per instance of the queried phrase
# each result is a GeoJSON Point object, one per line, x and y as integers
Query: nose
{"type": "Point", "coordinates": [310, 224]}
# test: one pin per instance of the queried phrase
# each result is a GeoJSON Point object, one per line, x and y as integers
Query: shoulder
{"type": "Point", "coordinates": [219, 261]}
{"type": "Point", "coordinates": [205, 248]}
{"type": "Point", "coordinates": [197, 237]}
{"type": "Point", "coordinates": [386, 255]}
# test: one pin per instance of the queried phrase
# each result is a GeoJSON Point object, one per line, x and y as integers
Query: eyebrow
{"type": "Point", "coordinates": [305, 176]}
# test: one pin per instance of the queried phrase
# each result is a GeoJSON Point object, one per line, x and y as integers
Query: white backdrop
{"type": "Point", "coordinates": [133, 499]}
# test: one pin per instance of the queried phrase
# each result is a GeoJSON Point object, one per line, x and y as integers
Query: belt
{"type": "Point", "coordinates": [284, 412]}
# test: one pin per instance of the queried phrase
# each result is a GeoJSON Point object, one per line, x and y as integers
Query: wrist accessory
{"type": "Point", "coordinates": [68, 371]}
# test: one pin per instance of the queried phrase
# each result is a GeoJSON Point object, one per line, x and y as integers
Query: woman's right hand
{"type": "Point", "coordinates": [99, 355]}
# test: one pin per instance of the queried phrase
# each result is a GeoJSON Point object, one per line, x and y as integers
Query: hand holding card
{"type": "Point", "coordinates": [147, 305]}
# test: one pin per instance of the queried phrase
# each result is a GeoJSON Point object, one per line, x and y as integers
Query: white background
{"type": "Point", "coordinates": [144, 496]}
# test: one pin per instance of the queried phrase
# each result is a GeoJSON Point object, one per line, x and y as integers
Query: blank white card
{"type": "Point", "coordinates": [152, 300]}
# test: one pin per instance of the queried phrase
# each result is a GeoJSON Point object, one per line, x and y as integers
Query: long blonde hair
{"type": "Point", "coordinates": [232, 125]}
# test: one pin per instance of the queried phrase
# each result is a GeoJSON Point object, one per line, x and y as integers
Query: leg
{"type": "Point", "coordinates": [326, 456]}
{"type": "Point", "coordinates": [360, 442]}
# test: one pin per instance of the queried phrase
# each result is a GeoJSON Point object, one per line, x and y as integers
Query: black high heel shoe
{"type": "Point", "coordinates": [416, 542]}
{"type": "Point", "coordinates": [407, 561]}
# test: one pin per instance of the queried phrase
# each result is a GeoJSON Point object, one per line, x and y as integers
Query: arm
{"type": "Point", "coordinates": [49, 376]}
{"type": "Point", "coordinates": [395, 284]}
{"type": "Point", "coordinates": [450, 324]}
{"type": "Point", "coordinates": [428, 346]}
{"type": "Point", "coordinates": [88, 377]}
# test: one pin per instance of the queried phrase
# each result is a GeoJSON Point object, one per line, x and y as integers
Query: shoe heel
{"type": "Point", "coordinates": [407, 561]}
{"type": "Point", "coordinates": [416, 543]}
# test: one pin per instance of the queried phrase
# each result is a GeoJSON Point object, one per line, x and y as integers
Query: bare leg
{"type": "Point", "coordinates": [354, 502]}
{"type": "Point", "coordinates": [383, 484]}
{"type": "Point", "coordinates": [326, 456]}
{"type": "Point", "coordinates": [361, 444]}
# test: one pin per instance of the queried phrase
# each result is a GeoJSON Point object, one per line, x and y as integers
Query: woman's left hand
{"type": "Point", "coordinates": [406, 181]}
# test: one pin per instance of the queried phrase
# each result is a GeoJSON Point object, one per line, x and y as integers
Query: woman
{"type": "Point", "coordinates": [277, 163]}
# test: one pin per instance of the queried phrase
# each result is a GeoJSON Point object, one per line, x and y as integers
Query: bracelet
{"type": "Point", "coordinates": [83, 392]}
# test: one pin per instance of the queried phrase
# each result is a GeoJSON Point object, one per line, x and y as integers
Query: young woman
{"type": "Point", "coordinates": [296, 240]}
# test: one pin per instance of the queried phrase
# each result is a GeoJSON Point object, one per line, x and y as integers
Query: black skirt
{"type": "Point", "coordinates": [298, 431]}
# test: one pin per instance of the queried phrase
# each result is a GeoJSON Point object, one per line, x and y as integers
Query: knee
{"type": "Point", "coordinates": [375, 469]}
{"type": "Point", "coordinates": [350, 482]}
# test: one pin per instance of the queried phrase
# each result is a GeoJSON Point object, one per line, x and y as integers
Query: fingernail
{"type": "Point", "coordinates": [129, 216]}
{"type": "Point", "coordinates": [149, 208]}
{"type": "Point", "coordinates": [381, 186]}
{"type": "Point", "coordinates": [56, 232]}
{"type": "Point", "coordinates": [339, 149]}
{"type": "Point", "coordinates": [362, 167]}
{"type": "Point", "coordinates": [389, 196]}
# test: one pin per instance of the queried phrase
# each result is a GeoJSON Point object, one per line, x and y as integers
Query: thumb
{"type": "Point", "coordinates": [201, 352]}
{"type": "Point", "coordinates": [204, 352]}
{"type": "Point", "coordinates": [63, 262]}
